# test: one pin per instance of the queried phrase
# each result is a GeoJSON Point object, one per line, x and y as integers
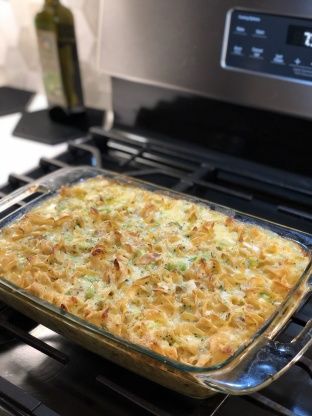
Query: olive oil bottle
{"type": "Point", "coordinates": [59, 58]}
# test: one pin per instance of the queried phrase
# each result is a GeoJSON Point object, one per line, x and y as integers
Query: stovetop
{"type": "Point", "coordinates": [58, 376]}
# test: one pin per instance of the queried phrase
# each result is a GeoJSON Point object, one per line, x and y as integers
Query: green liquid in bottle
{"type": "Point", "coordinates": [59, 58]}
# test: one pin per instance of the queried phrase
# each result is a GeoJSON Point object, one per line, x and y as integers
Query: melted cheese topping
{"type": "Point", "coordinates": [173, 276]}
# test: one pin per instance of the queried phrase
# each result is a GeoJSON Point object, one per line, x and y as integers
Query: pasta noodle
{"type": "Point", "coordinates": [178, 278]}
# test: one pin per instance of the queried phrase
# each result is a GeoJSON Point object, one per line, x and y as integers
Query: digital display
{"type": "Point", "coordinates": [300, 36]}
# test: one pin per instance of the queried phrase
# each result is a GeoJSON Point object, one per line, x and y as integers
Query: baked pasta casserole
{"type": "Point", "coordinates": [178, 278]}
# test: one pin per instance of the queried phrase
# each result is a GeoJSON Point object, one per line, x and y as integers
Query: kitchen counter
{"type": "Point", "coordinates": [18, 155]}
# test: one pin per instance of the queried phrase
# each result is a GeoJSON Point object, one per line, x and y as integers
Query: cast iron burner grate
{"type": "Point", "coordinates": [40, 363]}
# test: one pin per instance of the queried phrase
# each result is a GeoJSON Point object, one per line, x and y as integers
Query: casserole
{"type": "Point", "coordinates": [250, 367]}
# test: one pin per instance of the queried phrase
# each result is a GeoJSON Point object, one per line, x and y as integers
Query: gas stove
{"type": "Point", "coordinates": [213, 101]}
{"type": "Point", "coordinates": [42, 373]}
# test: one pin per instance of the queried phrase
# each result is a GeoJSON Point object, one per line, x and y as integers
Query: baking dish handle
{"type": "Point", "coordinates": [18, 196]}
{"type": "Point", "coordinates": [310, 283]}
{"type": "Point", "coordinates": [260, 367]}
{"type": "Point", "coordinates": [47, 183]}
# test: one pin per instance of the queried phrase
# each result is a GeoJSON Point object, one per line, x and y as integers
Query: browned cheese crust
{"type": "Point", "coordinates": [176, 277]}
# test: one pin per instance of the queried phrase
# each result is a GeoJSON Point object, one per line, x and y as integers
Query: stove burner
{"type": "Point", "coordinates": [19, 330]}
{"type": "Point", "coordinates": [9, 315]}
{"type": "Point", "coordinates": [171, 403]}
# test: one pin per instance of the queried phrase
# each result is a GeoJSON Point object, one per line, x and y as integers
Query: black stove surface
{"type": "Point", "coordinates": [57, 375]}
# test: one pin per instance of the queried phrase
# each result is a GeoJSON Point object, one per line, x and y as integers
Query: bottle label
{"type": "Point", "coordinates": [52, 78]}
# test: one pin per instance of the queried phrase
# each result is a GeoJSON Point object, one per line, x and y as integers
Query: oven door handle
{"type": "Point", "coordinates": [260, 366]}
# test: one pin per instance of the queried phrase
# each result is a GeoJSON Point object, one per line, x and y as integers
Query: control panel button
{"type": "Point", "coordinates": [240, 30]}
{"type": "Point", "coordinates": [237, 50]}
{"type": "Point", "coordinates": [260, 33]}
{"type": "Point", "coordinates": [278, 59]}
{"type": "Point", "coordinates": [297, 61]}
{"type": "Point", "coordinates": [256, 53]}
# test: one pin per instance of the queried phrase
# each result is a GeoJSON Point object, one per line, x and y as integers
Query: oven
{"type": "Point", "coordinates": [208, 99]}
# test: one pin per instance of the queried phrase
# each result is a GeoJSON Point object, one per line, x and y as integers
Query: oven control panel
{"type": "Point", "coordinates": [274, 45]}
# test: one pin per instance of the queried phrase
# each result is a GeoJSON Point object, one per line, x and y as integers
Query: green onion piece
{"type": "Point", "coordinates": [252, 262]}
{"type": "Point", "coordinates": [178, 266]}
{"type": "Point", "coordinates": [182, 266]}
{"type": "Point", "coordinates": [265, 296]}
{"type": "Point", "coordinates": [90, 292]}
{"type": "Point", "coordinates": [194, 258]}
{"type": "Point", "coordinates": [91, 278]}
{"type": "Point", "coordinates": [170, 267]}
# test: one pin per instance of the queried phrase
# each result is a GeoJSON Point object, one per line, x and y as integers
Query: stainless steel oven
{"type": "Point", "coordinates": [248, 52]}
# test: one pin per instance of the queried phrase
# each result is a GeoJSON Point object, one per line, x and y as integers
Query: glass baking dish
{"type": "Point", "coordinates": [252, 367]}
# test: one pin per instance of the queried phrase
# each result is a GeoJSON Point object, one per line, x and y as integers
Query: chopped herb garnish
{"type": "Point", "coordinates": [194, 258]}
{"type": "Point", "coordinates": [90, 292]}
{"type": "Point", "coordinates": [91, 278]}
{"type": "Point", "coordinates": [170, 267]}
{"type": "Point", "coordinates": [265, 296]}
{"type": "Point", "coordinates": [180, 266]}
{"type": "Point", "coordinates": [252, 262]}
